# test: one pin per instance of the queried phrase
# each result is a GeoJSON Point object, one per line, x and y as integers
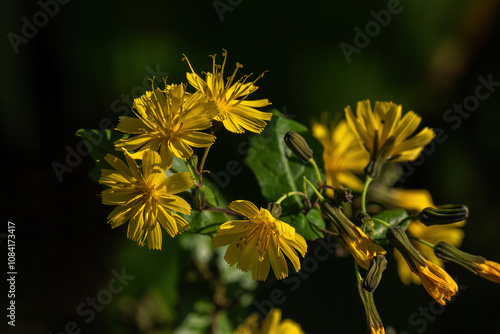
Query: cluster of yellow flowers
{"type": "Point", "coordinates": [169, 123]}
{"type": "Point", "coordinates": [172, 121]}
{"type": "Point", "coordinates": [364, 144]}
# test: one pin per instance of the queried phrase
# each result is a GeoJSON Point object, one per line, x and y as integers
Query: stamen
{"type": "Point", "coordinates": [185, 58]}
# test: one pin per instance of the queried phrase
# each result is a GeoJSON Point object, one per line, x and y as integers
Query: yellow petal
{"type": "Point", "coordinates": [178, 182]}
{"type": "Point", "coordinates": [246, 208]}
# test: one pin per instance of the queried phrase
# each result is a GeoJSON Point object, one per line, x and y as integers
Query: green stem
{"type": "Point", "coordinates": [282, 198]}
{"type": "Point", "coordinates": [321, 198]}
{"type": "Point", "coordinates": [325, 231]}
{"type": "Point", "coordinates": [316, 169]}
{"type": "Point", "coordinates": [422, 241]}
{"type": "Point", "coordinates": [202, 162]}
{"type": "Point", "coordinates": [368, 180]}
{"type": "Point", "coordinates": [190, 169]}
{"type": "Point", "coordinates": [381, 222]}
{"type": "Point", "coordinates": [358, 274]}
{"type": "Point", "coordinates": [408, 218]}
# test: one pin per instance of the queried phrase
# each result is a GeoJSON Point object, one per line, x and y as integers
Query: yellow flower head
{"type": "Point", "coordinates": [342, 155]}
{"type": "Point", "coordinates": [169, 122]}
{"type": "Point", "coordinates": [437, 282]}
{"type": "Point", "coordinates": [362, 247]}
{"type": "Point", "coordinates": [272, 324]}
{"type": "Point", "coordinates": [259, 242]}
{"type": "Point", "coordinates": [451, 234]}
{"type": "Point", "coordinates": [474, 263]}
{"type": "Point", "coordinates": [234, 110]}
{"type": "Point", "coordinates": [408, 199]}
{"type": "Point", "coordinates": [490, 270]}
{"type": "Point", "coordinates": [435, 279]}
{"type": "Point", "coordinates": [144, 198]}
{"type": "Point", "coordinates": [385, 134]}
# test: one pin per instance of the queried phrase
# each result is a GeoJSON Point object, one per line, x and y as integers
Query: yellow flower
{"type": "Point", "coordinates": [168, 122]}
{"type": "Point", "coordinates": [144, 198]}
{"type": "Point", "coordinates": [451, 234]}
{"type": "Point", "coordinates": [408, 199]}
{"type": "Point", "coordinates": [362, 248]}
{"type": "Point", "coordinates": [234, 110]}
{"type": "Point", "coordinates": [437, 282]}
{"type": "Point", "coordinates": [476, 264]}
{"type": "Point", "coordinates": [385, 134]}
{"type": "Point", "coordinates": [490, 271]}
{"type": "Point", "coordinates": [435, 279]}
{"type": "Point", "coordinates": [259, 242]}
{"type": "Point", "coordinates": [272, 324]}
{"type": "Point", "coordinates": [342, 155]}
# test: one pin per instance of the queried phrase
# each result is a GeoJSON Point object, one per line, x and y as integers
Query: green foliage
{"type": "Point", "coordinates": [100, 143]}
{"type": "Point", "coordinates": [392, 217]}
{"type": "Point", "coordinates": [303, 223]}
{"type": "Point", "coordinates": [277, 169]}
{"type": "Point", "coordinates": [205, 221]}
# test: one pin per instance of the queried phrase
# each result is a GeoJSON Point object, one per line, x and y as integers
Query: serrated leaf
{"type": "Point", "coordinates": [100, 143]}
{"type": "Point", "coordinates": [277, 169]}
{"type": "Point", "coordinates": [392, 217]}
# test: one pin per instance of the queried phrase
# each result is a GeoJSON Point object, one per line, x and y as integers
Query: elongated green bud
{"type": "Point", "coordinates": [399, 239]}
{"type": "Point", "coordinates": [374, 276]}
{"type": "Point", "coordinates": [373, 321]}
{"type": "Point", "coordinates": [274, 209]}
{"type": "Point", "coordinates": [298, 145]}
{"type": "Point", "coordinates": [447, 252]}
{"type": "Point", "coordinates": [445, 214]}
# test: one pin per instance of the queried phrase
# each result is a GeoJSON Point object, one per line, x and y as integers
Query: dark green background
{"type": "Point", "coordinates": [67, 77]}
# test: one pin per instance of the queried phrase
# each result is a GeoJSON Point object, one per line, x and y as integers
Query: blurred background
{"type": "Point", "coordinates": [84, 62]}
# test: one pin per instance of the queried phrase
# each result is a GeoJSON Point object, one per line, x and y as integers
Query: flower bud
{"type": "Point", "coordinates": [274, 209]}
{"type": "Point", "coordinates": [445, 214]}
{"type": "Point", "coordinates": [374, 275]}
{"type": "Point", "coordinates": [476, 264]}
{"type": "Point", "coordinates": [373, 321]}
{"type": "Point", "coordinates": [298, 145]}
{"type": "Point", "coordinates": [362, 247]}
{"type": "Point", "coordinates": [436, 281]}
{"type": "Point", "coordinates": [399, 239]}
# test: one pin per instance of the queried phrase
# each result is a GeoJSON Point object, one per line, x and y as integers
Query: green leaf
{"type": "Point", "coordinates": [207, 220]}
{"type": "Point", "coordinates": [100, 143]}
{"type": "Point", "coordinates": [302, 223]}
{"type": "Point", "coordinates": [213, 196]}
{"type": "Point", "coordinates": [392, 217]}
{"type": "Point", "coordinates": [277, 169]}
{"type": "Point", "coordinates": [178, 165]}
